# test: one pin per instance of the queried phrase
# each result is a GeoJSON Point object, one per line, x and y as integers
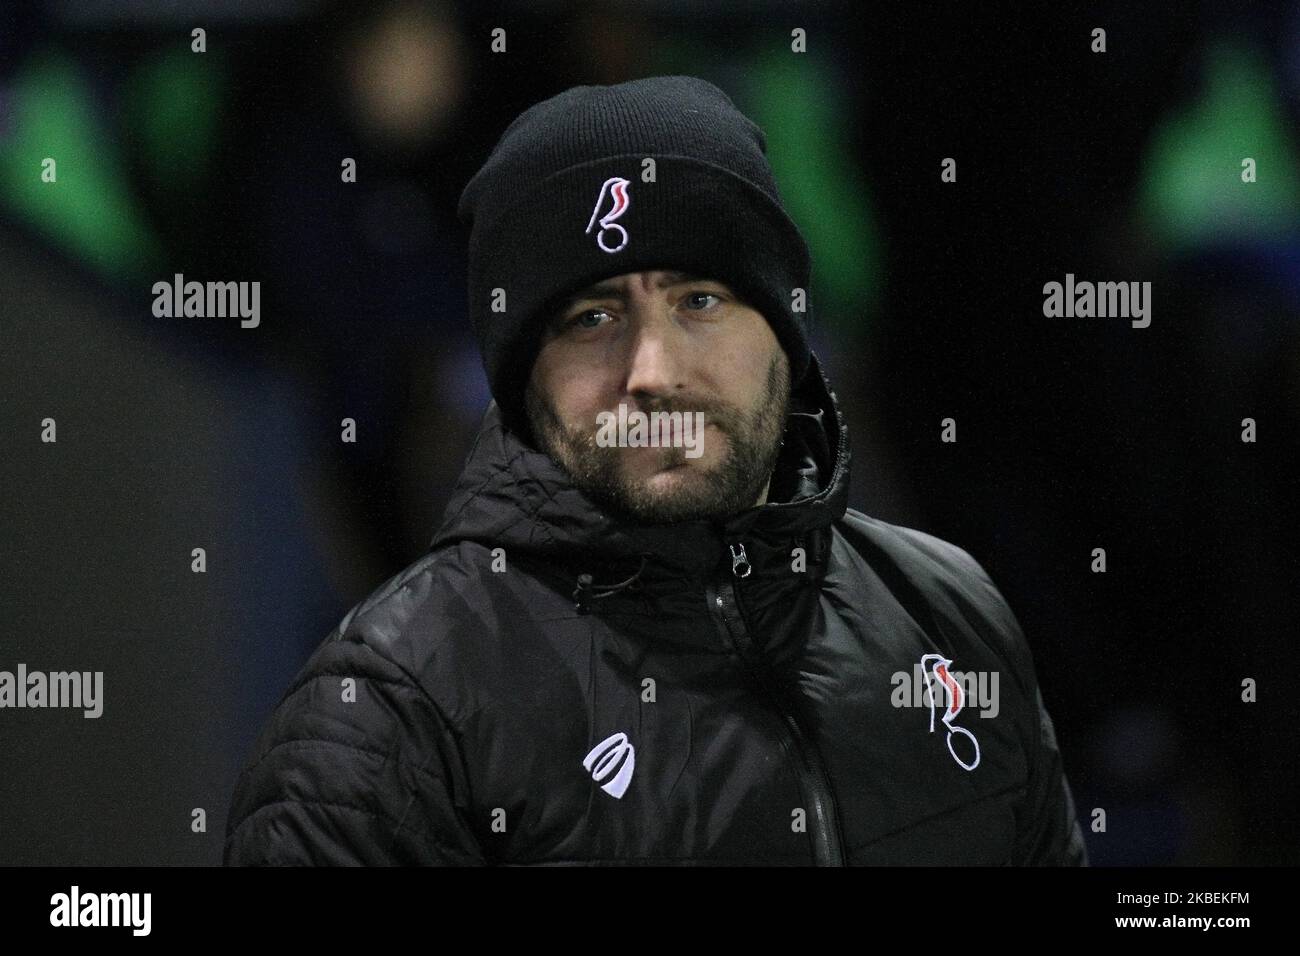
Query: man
{"type": "Point", "coordinates": [685, 651]}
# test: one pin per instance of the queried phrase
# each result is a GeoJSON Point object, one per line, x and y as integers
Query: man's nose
{"type": "Point", "coordinates": [654, 359]}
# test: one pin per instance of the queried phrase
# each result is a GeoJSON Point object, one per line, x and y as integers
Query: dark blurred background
{"type": "Point", "coordinates": [1073, 434]}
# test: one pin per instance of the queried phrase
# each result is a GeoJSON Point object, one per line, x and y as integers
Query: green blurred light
{"type": "Point", "coordinates": [1192, 192]}
{"type": "Point", "coordinates": [88, 211]}
{"type": "Point", "coordinates": [821, 185]}
{"type": "Point", "coordinates": [173, 100]}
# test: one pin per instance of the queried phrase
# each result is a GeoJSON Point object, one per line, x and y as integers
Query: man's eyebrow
{"type": "Point", "coordinates": [609, 290]}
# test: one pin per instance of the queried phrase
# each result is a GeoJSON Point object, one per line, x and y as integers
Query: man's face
{"type": "Point", "coordinates": [662, 341]}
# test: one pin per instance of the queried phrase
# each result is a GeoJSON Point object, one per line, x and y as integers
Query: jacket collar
{"type": "Point", "coordinates": [512, 496]}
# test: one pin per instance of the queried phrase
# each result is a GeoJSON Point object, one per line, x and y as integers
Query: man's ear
{"type": "Point", "coordinates": [523, 428]}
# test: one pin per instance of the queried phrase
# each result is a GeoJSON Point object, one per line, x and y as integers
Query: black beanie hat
{"type": "Point", "coordinates": [561, 203]}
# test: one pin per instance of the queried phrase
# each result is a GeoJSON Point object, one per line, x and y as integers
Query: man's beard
{"type": "Point", "coordinates": [730, 486]}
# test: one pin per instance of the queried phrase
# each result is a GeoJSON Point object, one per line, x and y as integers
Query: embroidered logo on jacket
{"type": "Point", "coordinates": [935, 668]}
{"type": "Point", "coordinates": [614, 756]}
{"type": "Point", "coordinates": [616, 188]}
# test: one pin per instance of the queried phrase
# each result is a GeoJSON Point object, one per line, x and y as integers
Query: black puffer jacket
{"type": "Point", "coordinates": [708, 694]}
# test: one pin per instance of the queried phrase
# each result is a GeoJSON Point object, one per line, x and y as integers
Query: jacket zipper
{"type": "Point", "coordinates": [814, 783]}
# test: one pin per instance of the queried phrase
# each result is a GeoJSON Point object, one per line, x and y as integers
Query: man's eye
{"type": "Point", "coordinates": [691, 295]}
{"type": "Point", "coordinates": [578, 320]}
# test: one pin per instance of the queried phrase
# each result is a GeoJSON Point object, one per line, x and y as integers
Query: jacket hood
{"type": "Point", "coordinates": [513, 496]}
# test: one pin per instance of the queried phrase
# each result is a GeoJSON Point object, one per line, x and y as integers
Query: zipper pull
{"type": "Point", "coordinates": [740, 566]}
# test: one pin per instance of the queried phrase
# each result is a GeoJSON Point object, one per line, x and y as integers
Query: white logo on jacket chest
{"type": "Point", "coordinates": [935, 668]}
{"type": "Point", "coordinates": [611, 763]}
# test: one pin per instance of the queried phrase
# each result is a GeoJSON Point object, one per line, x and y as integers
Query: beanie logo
{"type": "Point", "coordinates": [616, 187]}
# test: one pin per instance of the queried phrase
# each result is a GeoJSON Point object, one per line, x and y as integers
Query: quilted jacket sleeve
{"type": "Point", "coordinates": [356, 766]}
{"type": "Point", "coordinates": [1049, 834]}
{"type": "Point", "coordinates": [1048, 831]}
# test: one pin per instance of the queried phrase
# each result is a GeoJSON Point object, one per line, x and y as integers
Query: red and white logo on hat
{"type": "Point", "coordinates": [616, 188]}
